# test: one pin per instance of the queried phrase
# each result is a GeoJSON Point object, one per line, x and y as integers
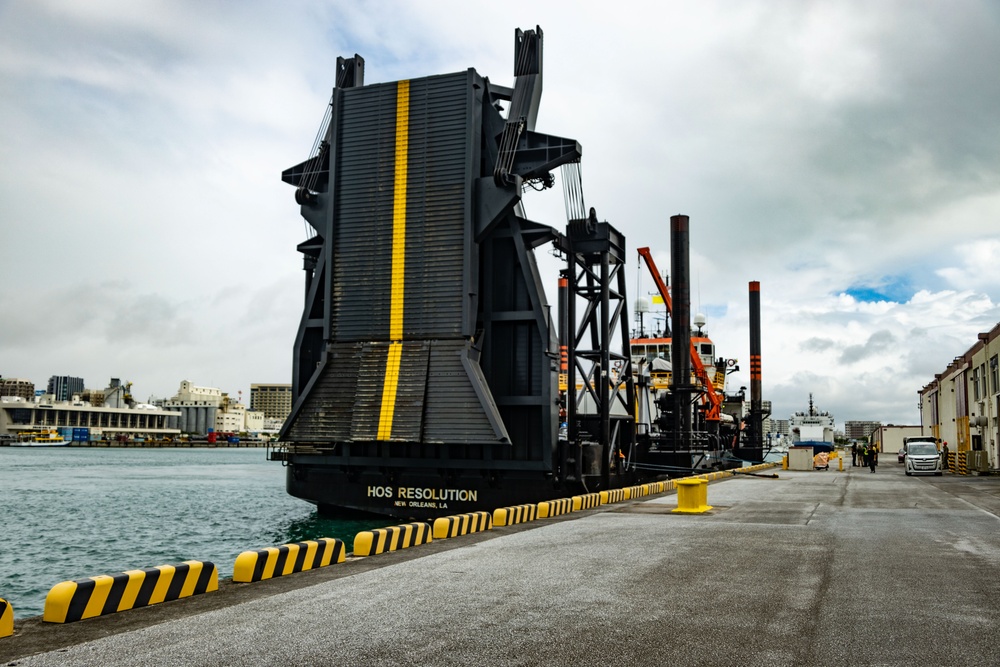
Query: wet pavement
{"type": "Point", "coordinates": [810, 568]}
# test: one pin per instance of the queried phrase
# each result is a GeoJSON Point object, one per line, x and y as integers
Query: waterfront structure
{"type": "Point", "coordinates": [274, 400]}
{"type": "Point", "coordinates": [235, 418]}
{"type": "Point", "coordinates": [858, 430]}
{"type": "Point", "coordinates": [118, 394]}
{"type": "Point", "coordinates": [109, 423]}
{"type": "Point", "coordinates": [16, 387]}
{"type": "Point", "coordinates": [961, 405]}
{"type": "Point", "coordinates": [198, 406]}
{"type": "Point", "coordinates": [207, 395]}
{"type": "Point", "coordinates": [779, 427]}
{"type": "Point", "coordinates": [64, 387]}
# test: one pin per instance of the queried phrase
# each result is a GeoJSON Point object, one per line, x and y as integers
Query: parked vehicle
{"type": "Point", "coordinates": [922, 458]}
{"type": "Point", "coordinates": [902, 454]}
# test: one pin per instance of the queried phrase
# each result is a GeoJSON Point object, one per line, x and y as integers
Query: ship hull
{"type": "Point", "coordinates": [419, 495]}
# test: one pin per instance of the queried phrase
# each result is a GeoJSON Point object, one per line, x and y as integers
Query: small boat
{"type": "Point", "coordinates": [47, 438]}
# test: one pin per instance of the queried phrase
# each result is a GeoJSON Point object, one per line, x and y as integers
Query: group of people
{"type": "Point", "coordinates": [867, 452]}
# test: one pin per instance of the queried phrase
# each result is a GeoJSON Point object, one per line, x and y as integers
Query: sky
{"type": "Point", "coordinates": [845, 155]}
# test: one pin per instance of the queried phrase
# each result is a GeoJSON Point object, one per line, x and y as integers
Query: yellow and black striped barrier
{"type": "Point", "coordinates": [380, 540]}
{"type": "Point", "coordinates": [508, 516]}
{"type": "Point", "coordinates": [613, 496]}
{"type": "Point", "coordinates": [550, 508]}
{"type": "Point", "coordinates": [71, 601]}
{"type": "Point", "coordinates": [961, 463]}
{"type": "Point", "coordinates": [6, 619]}
{"type": "Point", "coordinates": [638, 491]}
{"type": "Point", "coordinates": [462, 524]}
{"type": "Point", "coordinates": [287, 559]}
{"type": "Point", "coordinates": [586, 501]}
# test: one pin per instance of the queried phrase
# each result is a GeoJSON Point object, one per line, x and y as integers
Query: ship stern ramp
{"type": "Point", "coordinates": [424, 357]}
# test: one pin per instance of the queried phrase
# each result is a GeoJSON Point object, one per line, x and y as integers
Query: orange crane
{"type": "Point", "coordinates": [711, 396]}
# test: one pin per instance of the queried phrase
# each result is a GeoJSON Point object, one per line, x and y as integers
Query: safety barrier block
{"type": "Point", "coordinates": [392, 538]}
{"type": "Point", "coordinates": [71, 601]}
{"type": "Point", "coordinates": [586, 501]}
{"type": "Point", "coordinates": [272, 562]}
{"type": "Point", "coordinates": [462, 524]}
{"type": "Point", "coordinates": [6, 619]}
{"type": "Point", "coordinates": [612, 496]}
{"type": "Point", "coordinates": [638, 491]}
{"type": "Point", "coordinates": [961, 462]}
{"type": "Point", "coordinates": [550, 508]}
{"type": "Point", "coordinates": [508, 516]}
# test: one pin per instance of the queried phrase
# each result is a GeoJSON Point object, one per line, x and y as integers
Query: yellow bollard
{"type": "Point", "coordinates": [840, 461]}
{"type": "Point", "coordinates": [6, 619]}
{"type": "Point", "coordinates": [784, 462]}
{"type": "Point", "coordinates": [692, 496]}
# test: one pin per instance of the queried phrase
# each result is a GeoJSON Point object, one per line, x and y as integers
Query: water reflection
{"type": "Point", "coordinates": [314, 525]}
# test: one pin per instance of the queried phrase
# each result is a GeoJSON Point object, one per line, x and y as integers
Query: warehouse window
{"type": "Point", "coordinates": [994, 383]}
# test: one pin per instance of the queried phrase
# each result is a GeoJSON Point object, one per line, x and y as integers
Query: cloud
{"type": "Point", "coordinates": [845, 155]}
{"type": "Point", "coordinates": [878, 343]}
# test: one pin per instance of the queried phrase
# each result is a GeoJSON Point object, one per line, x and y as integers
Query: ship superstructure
{"type": "Point", "coordinates": [813, 428]}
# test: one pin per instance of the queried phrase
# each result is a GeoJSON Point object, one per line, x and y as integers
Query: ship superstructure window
{"type": "Point", "coordinates": [651, 351]}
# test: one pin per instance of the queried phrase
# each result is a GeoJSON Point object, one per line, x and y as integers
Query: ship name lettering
{"type": "Point", "coordinates": [417, 493]}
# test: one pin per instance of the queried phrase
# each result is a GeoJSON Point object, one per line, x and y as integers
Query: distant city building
{"type": "Point", "coordinates": [274, 400]}
{"type": "Point", "coordinates": [199, 395]}
{"type": "Point", "coordinates": [199, 407]}
{"type": "Point", "coordinates": [254, 421]}
{"type": "Point", "coordinates": [93, 396]}
{"type": "Point", "coordinates": [231, 419]}
{"type": "Point", "coordinates": [778, 427]}
{"type": "Point", "coordinates": [63, 387]}
{"type": "Point", "coordinates": [857, 430]}
{"type": "Point", "coordinates": [18, 388]}
{"type": "Point", "coordinates": [235, 418]}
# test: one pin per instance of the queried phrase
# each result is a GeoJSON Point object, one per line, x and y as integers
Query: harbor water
{"type": "Point", "coordinates": [67, 513]}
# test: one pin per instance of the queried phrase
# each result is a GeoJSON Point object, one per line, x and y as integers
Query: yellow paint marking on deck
{"type": "Point", "coordinates": [397, 288]}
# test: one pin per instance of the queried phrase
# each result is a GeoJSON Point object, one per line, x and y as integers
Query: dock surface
{"type": "Point", "coordinates": [811, 568]}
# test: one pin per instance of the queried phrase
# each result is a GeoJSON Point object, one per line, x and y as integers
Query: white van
{"type": "Point", "coordinates": [922, 458]}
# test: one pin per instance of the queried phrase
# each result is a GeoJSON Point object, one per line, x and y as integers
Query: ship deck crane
{"type": "Point", "coordinates": [710, 396]}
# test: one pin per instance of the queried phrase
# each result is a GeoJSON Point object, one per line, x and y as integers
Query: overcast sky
{"type": "Point", "coordinates": [846, 155]}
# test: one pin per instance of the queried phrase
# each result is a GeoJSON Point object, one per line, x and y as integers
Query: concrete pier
{"type": "Point", "coordinates": [811, 568]}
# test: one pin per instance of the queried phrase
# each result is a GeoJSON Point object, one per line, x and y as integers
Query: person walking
{"type": "Point", "coordinates": [944, 457]}
{"type": "Point", "coordinates": [854, 454]}
{"type": "Point", "coordinates": [870, 457]}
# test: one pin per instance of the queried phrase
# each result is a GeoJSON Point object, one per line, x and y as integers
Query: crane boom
{"type": "Point", "coordinates": [714, 400]}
